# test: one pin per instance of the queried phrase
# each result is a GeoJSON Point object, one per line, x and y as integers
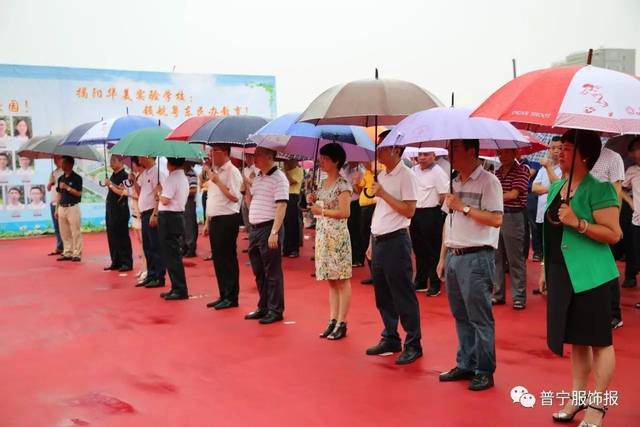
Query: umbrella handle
{"type": "Point", "coordinates": [367, 195]}
{"type": "Point", "coordinates": [101, 183]}
{"type": "Point", "coordinates": [127, 183]}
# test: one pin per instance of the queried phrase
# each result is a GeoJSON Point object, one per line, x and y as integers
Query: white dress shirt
{"type": "Point", "coordinates": [542, 178]}
{"type": "Point", "coordinates": [175, 188]}
{"type": "Point", "coordinates": [482, 190]}
{"type": "Point", "coordinates": [148, 180]}
{"type": "Point", "coordinates": [430, 183]}
{"type": "Point", "coordinates": [401, 184]}
{"type": "Point", "coordinates": [217, 203]}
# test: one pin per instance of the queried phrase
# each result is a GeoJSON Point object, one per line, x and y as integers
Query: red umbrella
{"type": "Point", "coordinates": [187, 128]}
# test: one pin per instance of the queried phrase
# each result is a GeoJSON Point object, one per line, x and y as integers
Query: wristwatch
{"type": "Point", "coordinates": [466, 210]}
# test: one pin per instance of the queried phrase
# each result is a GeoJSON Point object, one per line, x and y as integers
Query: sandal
{"type": "Point", "coordinates": [602, 410]}
{"type": "Point", "coordinates": [566, 417]}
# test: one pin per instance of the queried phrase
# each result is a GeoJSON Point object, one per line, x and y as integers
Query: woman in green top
{"type": "Point", "coordinates": [579, 267]}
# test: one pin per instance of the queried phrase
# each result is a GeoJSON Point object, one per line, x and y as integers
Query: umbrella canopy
{"type": "Point", "coordinates": [151, 142]}
{"type": "Point", "coordinates": [435, 127]}
{"type": "Point", "coordinates": [233, 130]}
{"type": "Point", "coordinates": [304, 140]}
{"type": "Point", "coordinates": [369, 103]}
{"type": "Point", "coordinates": [187, 128]}
{"type": "Point", "coordinates": [109, 131]}
{"type": "Point", "coordinates": [576, 97]}
{"type": "Point", "coordinates": [411, 152]}
{"type": "Point", "coordinates": [535, 147]}
{"type": "Point", "coordinates": [45, 147]}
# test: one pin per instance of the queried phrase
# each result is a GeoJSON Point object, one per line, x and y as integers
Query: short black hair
{"type": "Point", "coordinates": [634, 143]}
{"type": "Point", "coordinates": [335, 152]}
{"type": "Point", "coordinates": [556, 138]}
{"type": "Point", "coordinates": [174, 161]}
{"type": "Point", "coordinates": [69, 159]}
{"type": "Point", "coordinates": [36, 188]}
{"type": "Point", "coordinates": [472, 143]}
{"type": "Point", "coordinates": [382, 135]}
{"type": "Point", "coordinates": [588, 143]}
{"type": "Point", "coordinates": [136, 160]}
{"type": "Point", "coordinates": [16, 189]}
{"type": "Point", "coordinates": [4, 154]}
{"type": "Point", "coordinates": [223, 147]}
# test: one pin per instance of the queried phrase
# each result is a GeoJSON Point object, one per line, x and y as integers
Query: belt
{"type": "Point", "coordinates": [429, 209]}
{"type": "Point", "coordinates": [387, 236]}
{"type": "Point", "coordinates": [262, 224]}
{"type": "Point", "coordinates": [66, 205]}
{"type": "Point", "coordinates": [469, 250]}
{"type": "Point", "coordinates": [513, 210]}
{"type": "Point", "coordinates": [170, 213]}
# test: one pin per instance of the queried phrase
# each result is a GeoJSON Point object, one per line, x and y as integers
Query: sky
{"type": "Point", "coordinates": [448, 46]}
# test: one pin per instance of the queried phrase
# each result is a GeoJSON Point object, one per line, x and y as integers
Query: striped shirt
{"type": "Point", "coordinates": [516, 178]}
{"type": "Point", "coordinates": [193, 181]}
{"type": "Point", "coordinates": [266, 191]}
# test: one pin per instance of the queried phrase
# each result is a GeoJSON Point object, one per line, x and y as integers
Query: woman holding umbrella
{"type": "Point", "coordinates": [578, 234]}
{"type": "Point", "coordinates": [333, 247]}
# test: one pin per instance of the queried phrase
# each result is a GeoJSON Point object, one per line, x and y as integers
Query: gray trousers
{"type": "Point", "coordinates": [510, 246]}
{"type": "Point", "coordinates": [469, 280]}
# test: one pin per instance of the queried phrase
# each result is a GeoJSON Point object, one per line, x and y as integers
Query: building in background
{"type": "Point", "coordinates": [623, 60]}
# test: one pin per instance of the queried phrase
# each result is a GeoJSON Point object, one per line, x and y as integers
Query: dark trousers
{"type": "Point", "coordinates": [266, 264]}
{"type": "Point", "coordinates": [171, 233]}
{"type": "Point", "coordinates": [630, 248]}
{"type": "Point", "coordinates": [355, 233]}
{"type": "Point", "coordinates": [395, 296]}
{"type": "Point", "coordinates": [292, 226]}
{"type": "Point", "coordinates": [366, 215]}
{"type": "Point", "coordinates": [204, 206]}
{"type": "Point", "coordinates": [536, 237]}
{"type": "Point", "coordinates": [469, 280]}
{"type": "Point", "coordinates": [56, 229]}
{"type": "Point", "coordinates": [224, 253]}
{"type": "Point", "coordinates": [190, 227]}
{"type": "Point", "coordinates": [151, 248]}
{"type": "Point", "coordinates": [117, 219]}
{"type": "Point", "coordinates": [426, 239]}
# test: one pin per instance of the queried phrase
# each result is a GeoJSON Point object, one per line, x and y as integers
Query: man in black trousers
{"type": "Point", "coordinates": [190, 215]}
{"type": "Point", "coordinates": [173, 194]}
{"type": "Point", "coordinates": [117, 218]}
{"type": "Point", "coordinates": [268, 196]}
{"type": "Point", "coordinates": [222, 225]}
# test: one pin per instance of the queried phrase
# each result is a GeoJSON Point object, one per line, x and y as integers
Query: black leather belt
{"type": "Point", "coordinates": [430, 209]}
{"type": "Point", "coordinates": [513, 210]}
{"type": "Point", "coordinates": [67, 205]}
{"type": "Point", "coordinates": [469, 250]}
{"type": "Point", "coordinates": [387, 236]}
{"type": "Point", "coordinates": [262, 224]}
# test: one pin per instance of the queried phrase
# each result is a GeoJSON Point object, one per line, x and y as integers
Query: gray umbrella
{"type": "Point", "coordinates": [45, 147]}
{"type": "Point", "coordinates": [233, 130]}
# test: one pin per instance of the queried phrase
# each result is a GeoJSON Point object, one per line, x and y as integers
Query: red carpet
{"type": "Point", "coordinates": [79, 346]}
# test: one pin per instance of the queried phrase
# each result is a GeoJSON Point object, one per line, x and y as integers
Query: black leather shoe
{"type": "Point", "coordinates": [255, 315]}
{"type": "Point", "coordinates": [383, 347]}
{"type": "Point", "coordinates": [481, 382]}
{"type": "Point", "coordinates": [64, 258]}
{"type": "Point", "coordinates": [409, 355]}
{"type": "Point", "coordinates": [76, 259]}
{"type": "Point", "coordinates": [111, 267]}
{"type": "Point", "coordinates": [155, 284]}
{"type": "Point", "coordinates": [456, 374]}
{"type": "Point", "coordinates": [164, 294]}
{"type": "Point", "coordinates": [368, 281]}
{"type": "Point", "coordinates": [225, 304]}
{"type": "Point", "coordinates": [330, 327]}
{"type": "Point", "coordinates": [143, 283]}
{"type": "Point", "coordinates": [339, 332]}
{"type": "Point", "coordinates": [125, 268]}
{"type": "Point", "coordinates": [270, 318]}
{"type": "Point", "coordinates": [174, 296]}
{"type": "Point", "coordinates": [214, 303]}
{"type": "Point", "coordinates": [496, 301]}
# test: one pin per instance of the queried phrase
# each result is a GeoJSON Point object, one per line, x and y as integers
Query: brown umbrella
{"type": "Point", "coordinates": [371, 102]}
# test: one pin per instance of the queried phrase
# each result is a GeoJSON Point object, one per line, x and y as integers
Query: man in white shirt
{"type": "Point", "coordinates": [173, 194]}
{"type": "Point", "coordinates": [145, 187]}
{"type": "Point", "coordinates": [249, 172]}
{"type": "Point", "coordinates": [267, 197]}
{"type": "Point", "coordinates": [467, 263]}
{"type": "Point", "coordinates": [55, 197]}
{"type": "Point", "coordinates": [610, 168]}
{"type": "Point", "coordinates": [548, 173]}
{"type": "Point", "coordinates": [632, 182]}
{"type": "Point", "coordinates": [390, 253]}
{"type": "Point", "coordinates": [223, 222]}
{"type": "Point", "coordinates": [426, 224]}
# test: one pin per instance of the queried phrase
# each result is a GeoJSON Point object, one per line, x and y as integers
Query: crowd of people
{"type": "Point", "coordinates": [470, 230]}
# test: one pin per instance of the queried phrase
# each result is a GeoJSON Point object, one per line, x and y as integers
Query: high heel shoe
{"type": "Point", "coordinates": [338, 333]}
{"type": "Point", "coordinates": [602, 410]}
{"type": "Point", "coordinates": [330, 327]}
{"type": "Point", "coordinates": [566, 417]}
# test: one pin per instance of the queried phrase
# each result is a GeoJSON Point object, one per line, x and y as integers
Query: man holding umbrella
{"type": "Point", "coordinates": [173, 194]}
{"type": "Point", "coordinates": [390, 254]}
{"type": "Point", "coordinates": [467, 263]}
{"type": "Point", "coordinates": [117, 219]}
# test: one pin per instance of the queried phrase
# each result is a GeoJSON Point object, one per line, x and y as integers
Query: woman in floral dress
{"type": "Point", "coordinates": [330, 204]}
